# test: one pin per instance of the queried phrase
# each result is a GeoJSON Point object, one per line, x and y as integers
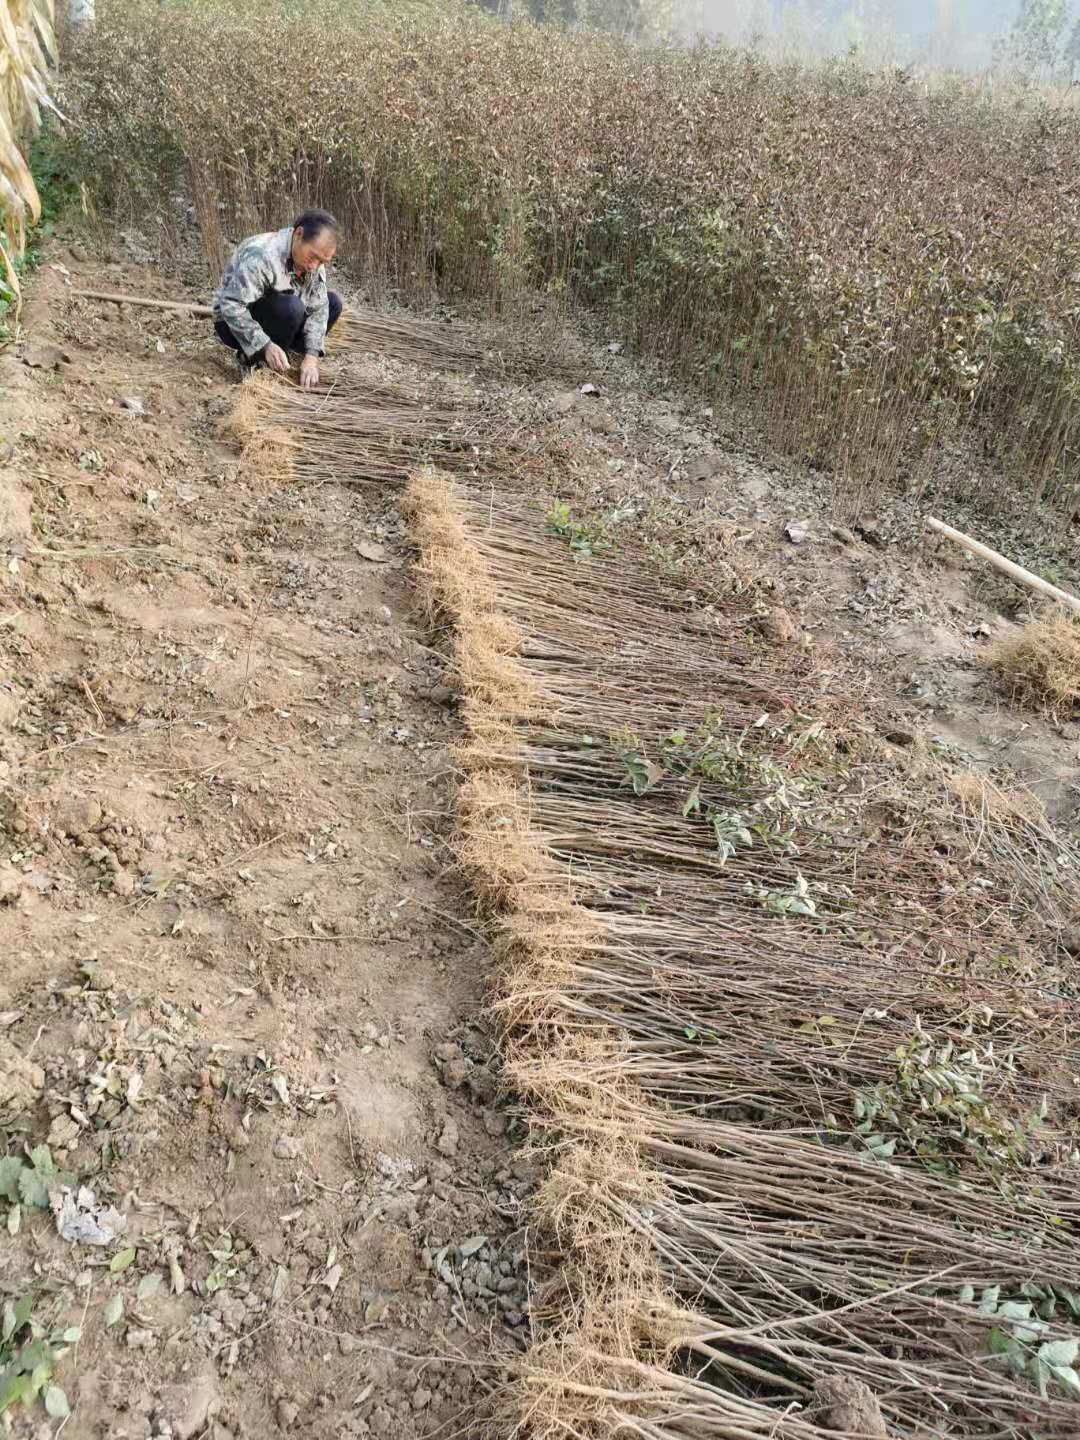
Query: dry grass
{"type": "Point", "coordinates": [979, 796]}
{"type": "Point", "coordinates": [1040, 665]}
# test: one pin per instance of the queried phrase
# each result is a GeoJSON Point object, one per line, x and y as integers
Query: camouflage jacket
{"type": "Point", "coordinates": [258, 265]}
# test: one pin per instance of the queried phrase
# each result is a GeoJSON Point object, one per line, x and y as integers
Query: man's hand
{"type": "Point", "coordinates": [309, 372]}
{"type": "Point", "coordinates": [276, 358]}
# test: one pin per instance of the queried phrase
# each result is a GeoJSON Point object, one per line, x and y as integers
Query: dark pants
{"type": "Point", "coordinates": [282, 317]}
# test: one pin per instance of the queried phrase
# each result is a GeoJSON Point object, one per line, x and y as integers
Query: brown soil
{"type": "Point", "coordinates": [242, 996]}
{"type": "Point", "coordinates": [235, 958]}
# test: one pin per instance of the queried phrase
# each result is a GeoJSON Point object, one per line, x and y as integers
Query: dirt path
{"type": "Point", "coordinates": [248, 993]}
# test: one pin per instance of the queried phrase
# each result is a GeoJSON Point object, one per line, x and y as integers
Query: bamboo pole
{"type": "Point", "coordinates": [1007, 567]}
{"type": "Point", "coordinates": [144, 300]}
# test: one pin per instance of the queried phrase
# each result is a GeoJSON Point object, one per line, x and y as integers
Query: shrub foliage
{"type": "Point", "coordinates": [877, 263]}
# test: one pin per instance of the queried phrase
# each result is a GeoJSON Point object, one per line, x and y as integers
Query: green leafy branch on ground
{"type": "Point", "coordinates": [1021, 1336]}
{"type": "Point", "coordinates": [770, 801]}
{"type": "Point", "coordinates": [29, 1356]}
{"type": "Point", "coordinates": [937, 1107]}
{"type": "Point", "coordinates": [25, 1182]}
{"type": "Point", "coordinates": [585, 536]}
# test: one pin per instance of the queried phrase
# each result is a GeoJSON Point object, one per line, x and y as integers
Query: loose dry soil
{"type": "Point", "coordinates": [239, 985]}
{"type": "Point", "coordinates": [243, 992]}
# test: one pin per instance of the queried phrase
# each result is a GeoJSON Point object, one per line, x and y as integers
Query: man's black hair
{"type": "Point", "coordinates": [313, 222]}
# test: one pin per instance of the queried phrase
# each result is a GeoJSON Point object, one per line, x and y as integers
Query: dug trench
{"type": "Point", "coordinates": [242, 994]}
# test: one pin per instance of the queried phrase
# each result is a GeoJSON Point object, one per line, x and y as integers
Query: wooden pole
{"type": "Point", "coordinates": [144, 300]}
{"type": "Point", "coordinates": [1014, 572]}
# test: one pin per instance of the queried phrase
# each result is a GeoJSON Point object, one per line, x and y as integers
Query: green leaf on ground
{"type": "Point", "coordinates": [11, 1167]}
{"type": "Point", "coordinates": [56, 1403]}
{"type": "Point", "coordinates": [121, 1260]}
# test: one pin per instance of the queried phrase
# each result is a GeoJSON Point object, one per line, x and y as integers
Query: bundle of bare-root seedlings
{"type": "Point", "coordinates": [492, 349]}
{"type": "Point", "coordinates": [804, 1060]}
{"type": "Point", "coordinates": [406, 337]}
{"type": "Point", "coordinates": [363, 427]}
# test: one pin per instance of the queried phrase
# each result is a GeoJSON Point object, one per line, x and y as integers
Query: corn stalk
{"type": "Point", "coordinates": [27, 46]}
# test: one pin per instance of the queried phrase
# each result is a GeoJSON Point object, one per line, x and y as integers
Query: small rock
{"type": "Point", "coordinates": [589, 389]}
{"type": "Point", "coordinates": [16, 522]}
{"type": "Point", "coordinates": [140, 1339]}
{"type": "Point", "coordinates": [776, 624]}
{"type": "Point", "coordinates": [440, 695]}
{"type": "Point", "coordinates": [447, 1051]}
{"type": "Point", "coordinates": [900, 737]}
{"type": "Point", "coordinates": [421, 1399]}
{"type": "Point", "coordinates": [63, 1133]}
{"type": "Point", "coordinates": [843, 1403]}
{"type": "Point", "coordinates": [287, 1414]}
{"type": "Point", "coordinates": [482, 1086]}
{"type": "Point", "coordinates": [494, 1123]}
{"type": "Point", "coordinates": [347, 1344]}
{"type": "Point", "coordinates": [600, 422]}
{"type": "Point", "coordinates": [21, 1082]}
{"type": "Point", "coordinates": [447, 1143]}
{"type": "Point", "coordinates": [369, 550]}
{"type": "Point", "coordinates": [77, 816]}
{"type": "Point", "coordinates": [843, 534]}
{"type": "Point", "coordinates": [10, 885]}
{"type": "Point", "coordinates": [702, 468]}
{"type": "Point", "coordinates": [797, 531]}
{"type": "Point", "coordinates": [287, 1147]}
{"type": "Point", "coordinates": [133, 403]}
{"type": "Point", "coordinates": [239, 1139]}
{"type": "Point", "coordinates": [40, 356]}
{"type": "Point", "coordinates": [455, 1073]}
{"type": "Point", "coordinates": [123, 883]}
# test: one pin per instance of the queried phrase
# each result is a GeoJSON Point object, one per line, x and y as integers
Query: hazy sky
{"type": "Point", "coordinates": [913, 28]}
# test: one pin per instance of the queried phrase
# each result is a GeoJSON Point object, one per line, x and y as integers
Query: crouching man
{"type": "Point", "coordinates": [273, 299]}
